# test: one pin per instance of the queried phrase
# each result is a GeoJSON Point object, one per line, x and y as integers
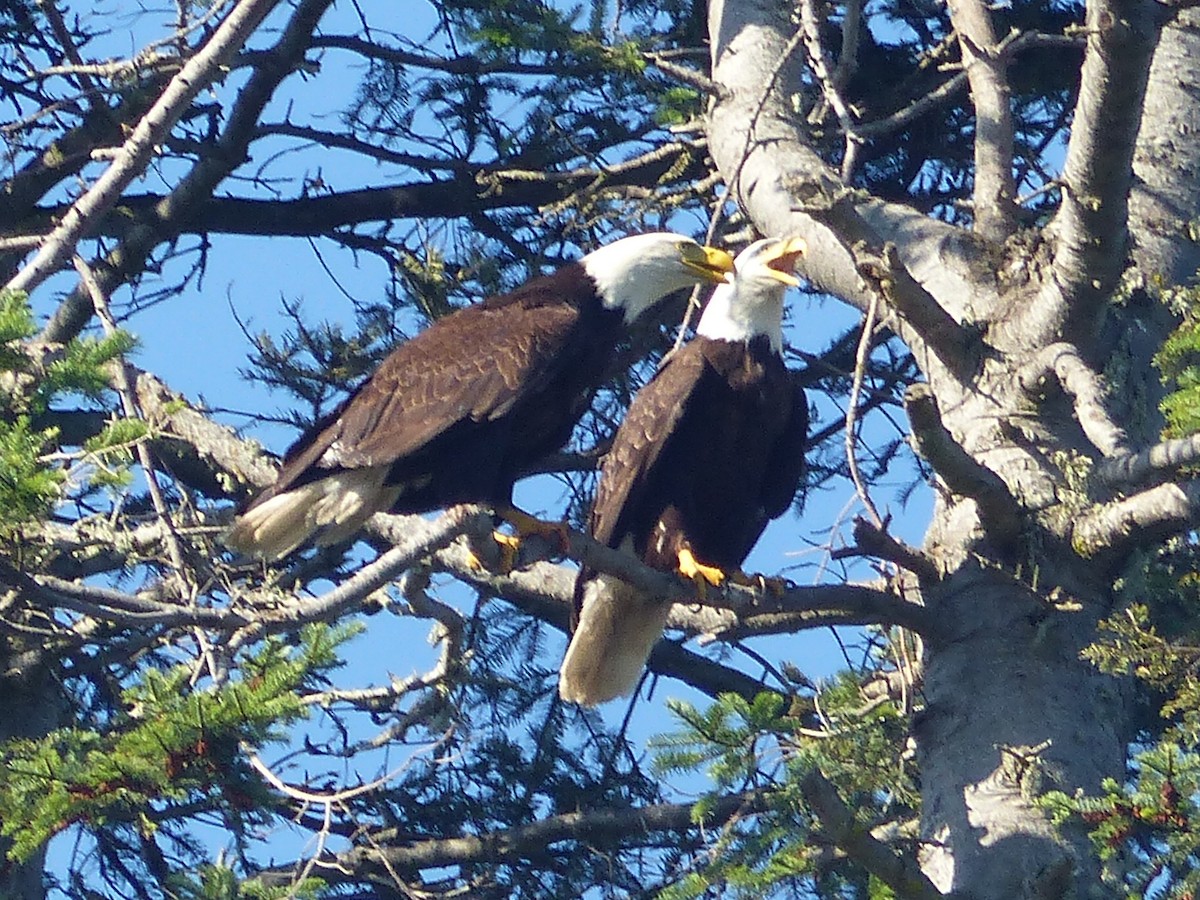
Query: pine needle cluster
{"type": "Point", "coordinates": [32, 378]}
{"type": "Point", "coordinates": [768, 746]}
{"type": "Point", "coordinates": [176, 752]}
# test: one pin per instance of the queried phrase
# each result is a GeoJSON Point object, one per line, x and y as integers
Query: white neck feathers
{"type": "Point", "coordinates": [742, 312]}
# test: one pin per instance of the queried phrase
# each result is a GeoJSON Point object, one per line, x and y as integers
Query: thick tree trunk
{"type": "Point", "coordinates": [1010, 709]}
{"type": "Point", "coordinates": [1166, 195]}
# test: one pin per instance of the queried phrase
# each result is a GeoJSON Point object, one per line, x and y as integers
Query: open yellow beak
{"type": "Point", "coordinates": [710, 263]}
{"type": "Point", "coordinates": [781, 259]}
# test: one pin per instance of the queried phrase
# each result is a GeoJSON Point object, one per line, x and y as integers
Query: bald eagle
{"type": "Point", "coordinates": [456, 413]}
{"type": "Point", "coordinates": [712, 448]}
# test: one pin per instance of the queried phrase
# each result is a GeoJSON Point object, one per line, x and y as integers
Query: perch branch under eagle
{"type": "Point", "coordinates": [457, 412]}
{"type": "Point", "coordinates": [712, 449]}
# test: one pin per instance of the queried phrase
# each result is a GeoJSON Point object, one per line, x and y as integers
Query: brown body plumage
{"type": "Point", "coordinates": [711, 450]}
{"type": "Point", "coordinates": [456, 413]}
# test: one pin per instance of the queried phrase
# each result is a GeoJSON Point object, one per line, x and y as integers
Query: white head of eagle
{"type": "Point", "coordinates": [752, 304]}
{"type": "Point", "coordinates": [634, 273]}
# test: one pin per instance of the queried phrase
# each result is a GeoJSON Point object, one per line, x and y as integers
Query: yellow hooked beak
{"type": "Point", "coordinates": [710, 263]}
{"type": "Point", "coordinates": [781, 258]}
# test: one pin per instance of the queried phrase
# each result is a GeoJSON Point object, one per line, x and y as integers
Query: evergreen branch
{"type": "Point", "coordinates": [153, 128]}
{"type": "Point", "coordinates": [901, 873]}
{"type": "Point", "coordinates": [963, 475]}
{"type": "Point", "coordinates": [1151, 464]}
{"type": "Point", "coordinates": [593, 828]}
{"type": "Point", "coordinates": [1077, 378]}
{"type": "Point", "coordinates": [1143, 519]}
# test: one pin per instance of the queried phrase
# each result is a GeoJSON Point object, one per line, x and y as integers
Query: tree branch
{"type": "Point", "coordinates": [228, 152]}
{"type": "Point", "coordinates": [479, 189]}
{"type": "Point", "coordinates": [602, 827]}
{"type": "Point", "coordinates": [901, 873]}
{"type": "Point", "coordinates": [1163, 460]}
{"type": "Point", "coordinates": [1090, 228]}
{"type": "Point", "coordinates": [1114, 529]}
{"type": "Point", "coordinates": [200, 71]}
{"type": "Point", "coordinates": [1077, 378]}
{"type": "Point", "coordinates": [877, 542]}
{"type": "Point", "coordinates": [757, 143]}
{"type": "Point", "coordinates": [995, 212]}
{"type": "Point", "coordinates": [879, 264]}
{"type": "Point", "coordinates": [960, 471]}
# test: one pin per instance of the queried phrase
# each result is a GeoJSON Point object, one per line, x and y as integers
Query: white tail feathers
{"type": "Point", "coordinates": [326, 511]}
{"type": "Point", "coordinates": [618, 627]}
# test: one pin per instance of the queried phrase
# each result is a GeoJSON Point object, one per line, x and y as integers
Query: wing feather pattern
{"type": "Point", "coordinates": [429, 385]}
{"type": "Point", "coordinates": [647, 432]}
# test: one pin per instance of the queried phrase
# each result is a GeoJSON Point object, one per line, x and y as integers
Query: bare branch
{"type": "Point", "coordinates": [879, 264]}
{"type": "Point", "coordinates": [900, 872]}
{"type": "Point", "coordinates": [818, 60]}
{"type": "Point", "coordinates": [1151, 464]}
{"type": "Point", "coordinates": [474, 190]}
{"type": "Point", "coordinates": [1137, 521]}
{"type": "Point", "coordinates": [229, 151]}
{"type": "Point", "coordinates": [602, 827]}
{"type": "Point", "coordinates": [194, 439]}
{"type": "Point", "coordinates": [1090, 227]}
{"type": "Point", "coordinates": [995, 212]}
{"type": "Point", "coordinates": [960, 471]}
{"type": "Point", "coordinates": [1077, 378]}
{"type": "Point", "coordinates": [200, 71]}
{"type": "Point", "coordinates": [878, 543]}
{"type": "Point", "coordinates": [1009, 48]}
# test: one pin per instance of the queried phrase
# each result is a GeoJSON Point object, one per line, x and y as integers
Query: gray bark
{"type": "Point", "coordinates": [1009, 710]}
{"type": "Point", "coordinates": [1165, 198]}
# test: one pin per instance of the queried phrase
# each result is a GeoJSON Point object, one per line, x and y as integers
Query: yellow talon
{"type": "Point", "coordinates": [698, 573]}
{"type": "Point", "coordinates": [509, 545]}
{"type": "Point", "coordinates": [529, 526]}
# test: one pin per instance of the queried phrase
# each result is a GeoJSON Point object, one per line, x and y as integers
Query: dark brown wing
{"type": "Point", "coordinates": [653, 416]}
{"type": "Point", "coordinates": [473, 365]}
{"type": "Point", "coordinates": [786, 469]}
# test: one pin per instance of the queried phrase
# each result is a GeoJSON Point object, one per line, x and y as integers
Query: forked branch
{"type": "Point", "coordinates": [995, 212]}
{"type": "Point", "coordinates": [962, 474]}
